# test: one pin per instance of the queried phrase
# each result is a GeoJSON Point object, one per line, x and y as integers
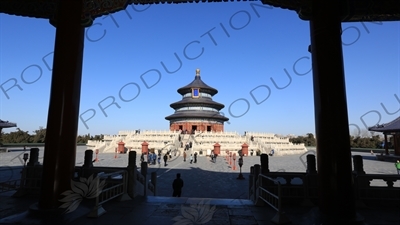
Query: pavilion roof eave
{"type": "Point", "coordinates": [352, 10]}
{"type": "Point", "coordinates": [199, 101]}
{"type": "Point", "coordinates": [6, 124]}
{"type": "Point", "coordinates": [46, 9]}
{"type": "Point", "coordinates": [198, 115]}
{"type": "Point", "coordinates": [391, 127]}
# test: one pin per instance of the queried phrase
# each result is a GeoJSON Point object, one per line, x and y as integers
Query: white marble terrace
{"type": "Point", "coordinates": [201, 141]}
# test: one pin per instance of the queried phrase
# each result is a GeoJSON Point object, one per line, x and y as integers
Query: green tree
{"type": "Point", "coordinates": [18, 136]}
{"type": "Point", "coordinates": [39, 135]}
{"type": "Point", "coordinates": [308, 140]}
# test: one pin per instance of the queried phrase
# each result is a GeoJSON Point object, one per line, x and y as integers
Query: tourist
{"type": "Point", "coordinates": [159, 158]}
{"type": "Point", "coordinates": [184, 156]}
{"type": "Point", "coordinates": [397, 164]}
{"type": "Point", "coordinates": [195, 157]}
{"type": "Point", "coordinates": [177, 186]}
{"type": "Point", "coordinates": [165, 159]}
{"type": "Point", "coordinates": [191, 158]}
{"type": "Point", "coordinates": [142, 158]}
{"type": "Point", "coordinates": [271, 153]}
{"type": "Point", "coordinates": [215, 158]}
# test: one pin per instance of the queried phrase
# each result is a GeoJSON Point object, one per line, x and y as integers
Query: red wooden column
{"type": "Point", "coordinates": [335, 187]}
{"type": "Point", "coordinates": [63, 114]}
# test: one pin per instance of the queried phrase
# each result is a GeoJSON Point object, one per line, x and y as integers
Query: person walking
{"type": "Point", "coordinates": [184, 156]}
{"type": "Point", "coordinates": [191, 158]}
{"type": "Point", "coordinates": [165, 159]}
{"type": "Point", "coordinates": [195, 157]}
{"type": "Point", "coordinates": [397, 164]}
{"type": "Point", "coordinates": [177, 186]}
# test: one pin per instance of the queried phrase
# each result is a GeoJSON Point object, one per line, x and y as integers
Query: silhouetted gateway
{"type": "Point", "coordinates": [197, 111]}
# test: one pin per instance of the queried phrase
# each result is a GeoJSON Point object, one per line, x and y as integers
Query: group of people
{"type": "Point", "coordinates": [191, 158]}
{"type": "Point", "coordinates": [152, 157]}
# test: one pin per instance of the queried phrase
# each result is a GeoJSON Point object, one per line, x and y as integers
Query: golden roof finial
{"type": "Point", "coordinates": [197, 72]}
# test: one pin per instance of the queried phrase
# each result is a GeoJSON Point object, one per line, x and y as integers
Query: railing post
{"type": "Point", "coordinates": [257, 169]}
{"type": "Point", "coordinates": [360, 182]}
{"type": "Point", "coordinates": [143, 171]}
{"type": "Point", "coordinates": [311, 164]}
{"type": "Point", "coordinates": [280, 217]}
{"type": "Point", "coordinates": [251, 180]}
{"type": "Point", "coordinates": [88, 160]}
{"type": "Point", "coordinates": [98, 210]}
{"type": "Point", "coordinates": [264, 164]}
{"type": "Point", "coordinates": [309, 180]}
{"type": "Point", "coordinates": [154, 182]}
{"type": "Point", "coordinates": [358, 165]}
{"type": "Point", "coordinates": [34, 157]}
{"type": "Point", "coordinates": [131, 186]}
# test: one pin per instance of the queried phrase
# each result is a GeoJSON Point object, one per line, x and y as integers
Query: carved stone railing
{"type": "Point", "coordinates": [124, 187]}
{"type": "Point", "coordinates": [366, 192]}
{"type": "Point", "coordinates": [302, 187]}
{"type": "Point", "coordinates": [115, 187]}
{"type": "Point", "coordinates": [272, 195]}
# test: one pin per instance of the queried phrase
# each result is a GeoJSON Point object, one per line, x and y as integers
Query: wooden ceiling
{"type": "Point", "coordinates": [351, 10]}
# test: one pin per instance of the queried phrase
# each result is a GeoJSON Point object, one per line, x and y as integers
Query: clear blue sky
{"type": "Point", "coordinates": [237, 46]}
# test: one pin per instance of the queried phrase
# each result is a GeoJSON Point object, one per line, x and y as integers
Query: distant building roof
{"type": "Point", "coordinates": [393, 126]}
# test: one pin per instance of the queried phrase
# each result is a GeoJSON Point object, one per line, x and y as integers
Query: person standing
{"type": "Point", "coordinates": [184, 156]}
{"type": "Point", "coordinates": [397, 164]}
{"type": "Point", "coordinates": [177, 186]}
{"type": "Point", "coordinates": [195, 157]}
{"type": "Point", "coordinates": [191, 158]}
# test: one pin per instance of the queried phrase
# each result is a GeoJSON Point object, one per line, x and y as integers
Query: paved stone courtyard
{"type": "Point", "coordinates": [208, 186]}
{"type": "Point", "coordinates": [204, 179]}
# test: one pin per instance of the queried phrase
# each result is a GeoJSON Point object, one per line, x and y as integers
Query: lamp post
{"type": "Point", "coordinates": [25, 157]}
{"type": "Point", "coordinates": [240, 177]}
{"type": "Point", "coordinates": [97, 153]}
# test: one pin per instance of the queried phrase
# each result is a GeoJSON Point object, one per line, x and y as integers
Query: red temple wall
{"type": "Point", "coordinates": [200, 126]}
